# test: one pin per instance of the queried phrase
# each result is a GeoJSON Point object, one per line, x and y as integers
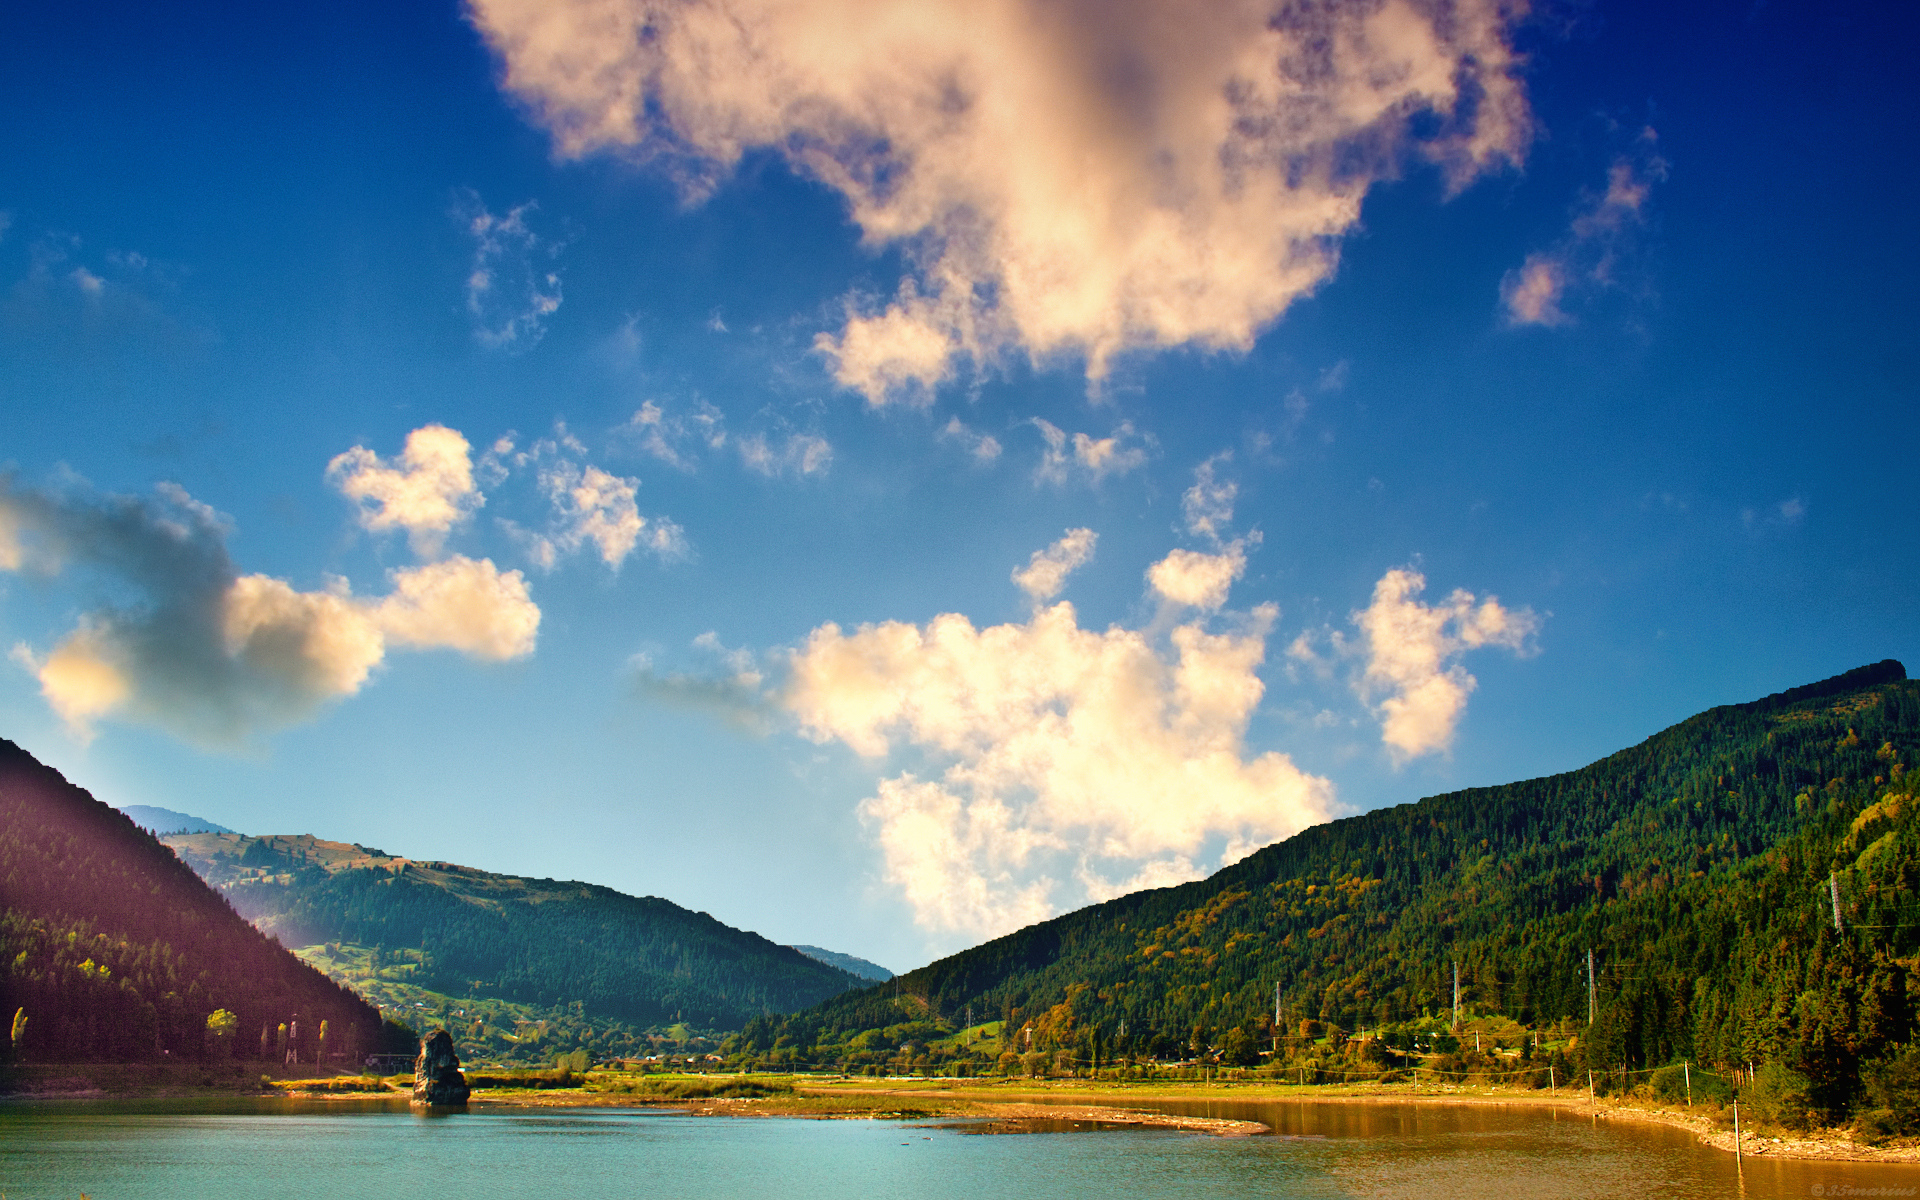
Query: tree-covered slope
{"type": "Point", "coordinates": [1694, 866]}
{"type": "Point", "coordinates": [111, 949]}
{"type": "Point", "coordinates": [549, 944]}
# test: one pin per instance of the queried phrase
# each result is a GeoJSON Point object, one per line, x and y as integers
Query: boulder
{"type": "Point", "coordinates": [436, 1073]}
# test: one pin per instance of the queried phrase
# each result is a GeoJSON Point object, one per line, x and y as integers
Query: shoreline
{"type": "Point", "coordinates": [1000, 1106]}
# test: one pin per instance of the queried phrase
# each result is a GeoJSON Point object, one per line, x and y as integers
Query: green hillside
{"type": "Point", "coordinates": [111, 950]}
{"type": "Point", "coordinates": [516, 968]}
{"type": "Point", "coordinates": [1695, 867]}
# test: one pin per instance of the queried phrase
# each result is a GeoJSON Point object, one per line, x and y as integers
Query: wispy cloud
{"type": "Point", "coordinates": [1786, 514]}
{"type": "Point", "coordinates": [592, 506]}
{"type": "Point", "coordinates": [1081, 455]}
{"type": "Point", "coordinates": [513, 281]}
{"type": "Point", "coordinates": [1532, 293]}
{"type": "Point", "coordinates": [675, 437]}
{"type": "Point", "coordinates": [785, 454]}
{"type": "Point", "coordinates": [983, 448]}
{"type": "Point", "coordinates": [1069, 179]}
{"type": "Point", "coordinates": [1208, 504]}
{"type": "Point", "coordinates": [1588, 256]}
{"type": "Point", "coordinates": [735, 692]}
{"type": "Point", "coordinates": [589, 506]}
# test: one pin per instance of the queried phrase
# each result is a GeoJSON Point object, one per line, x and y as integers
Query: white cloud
{"type": "Point", "coordinates": [1082, 454]}
{"type": "Point", "coordinates": [735, 693]}
{"type": "Point", "coordinates": [426, 491]}
{"type": "Point", "coordinates": [512, 283]}
{"type": "Point", "coordinates": [1784, 515]}
{"type": "Point", "coordinates": [1532, 293]}
{"type": "Point", "coordinates": [666, 436]}
{"type": "Point", "coordinates": [1198, 580]}
{"type": "Point", "coordinates": [1046, 572]}
{"type": "Point", "coordinates": [593, 506]}
{"type": "Point", "coordinates": [800, 454]}
{"type": "Point", "coordinates": [13, 549]}
{"type": "Point", "coordinates": [1073, 759]}
{"type": "Point", "coordinates": [461, 604]}
{"type": "Point", "coordinates": [1416, 687]}
{"type": "Point", "coordinates": [983, 447]}
{"type": "Point", "coordinates": [1208, 504]}
{"type": "Point", "coordinates": [589, 506]}
{"type": "Point", "coordinates": [1068, 179]}
{"type": "Point", "coordinates": [676, 438]}
{"type": "Point", "coordinates": [1588, 255]}
{"type": "Point", "coordinates": [215, 656]}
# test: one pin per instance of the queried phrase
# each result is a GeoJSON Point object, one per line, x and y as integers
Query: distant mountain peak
{"type": "Point", "coordinates": [859, 968]}
{"type": "Point", "coordinates": [162, 821]}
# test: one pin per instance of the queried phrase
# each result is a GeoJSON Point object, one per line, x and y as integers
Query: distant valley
{"type": "Point", "coordinates": [516, 968]}
{"type": "Point", "coordinates": [1733, 895]}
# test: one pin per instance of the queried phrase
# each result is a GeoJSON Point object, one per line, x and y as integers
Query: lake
{"type": "Point", "coordinates": [293, 1150]}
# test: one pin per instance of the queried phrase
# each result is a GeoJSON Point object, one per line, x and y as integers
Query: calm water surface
{"type": "Point", "coordinates": [296, 1150]}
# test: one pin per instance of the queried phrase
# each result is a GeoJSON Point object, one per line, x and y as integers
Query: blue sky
{"type": "Point", "coordinates": [1447, 396]}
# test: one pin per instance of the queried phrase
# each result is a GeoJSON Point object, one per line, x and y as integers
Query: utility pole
{"type": "Point", "coordinates": [1833, 889]}
{"type": "Point", "coordinates": [1456, 994]}
{"type": "Point", "coordinates": [1589, 985]}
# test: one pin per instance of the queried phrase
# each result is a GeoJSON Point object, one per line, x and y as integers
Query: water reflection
{"type": "Point", "coordinates": [298, 1149]}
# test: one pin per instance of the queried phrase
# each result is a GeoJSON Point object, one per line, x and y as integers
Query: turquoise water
{"type": "Point", "coordinates": [296, 1151]}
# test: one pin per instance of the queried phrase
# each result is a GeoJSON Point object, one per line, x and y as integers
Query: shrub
{"type": "Point", "coordinates": [712, 1089]}
{"type": "Point", "coordinates": [1669, 1084]}
{"type": "Point", "coordinates": [1778, 1096]}
{"type": "Point", "coordinates": [337, 1084]}
{"type": "Point", "coordinates": [1873, 1126]}
{"type": "Point", "coordinates": [526, 1079]}
{"type": "Point", "coordinates": [1892, 1084]}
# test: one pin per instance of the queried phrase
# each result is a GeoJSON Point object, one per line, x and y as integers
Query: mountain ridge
{"type": "Point", "coordinates": [113, 950]}
{"type": "Point", "coordinates": [1666, 859]}
{"type": "Point", "coordinates": [533, 963]}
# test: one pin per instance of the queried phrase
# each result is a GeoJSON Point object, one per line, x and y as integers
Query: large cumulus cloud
{"type": "Point", "coordinates": [1075, 177]}
{"type": "Point", "coordinates": [1073, 764]}
{"type": "Point", "coordinates": [194, 646]}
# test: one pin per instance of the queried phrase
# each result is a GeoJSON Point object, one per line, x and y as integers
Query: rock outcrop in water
{"type": "Point", "coordinates": [436, 1073]}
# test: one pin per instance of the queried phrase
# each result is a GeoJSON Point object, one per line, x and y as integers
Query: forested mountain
{"type": "Point", "coordinates": [472, 935]}
{"type": "Point", "coordinates": [111, 949]}
{"type": "Point", "coordinates": [1695, 866]}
